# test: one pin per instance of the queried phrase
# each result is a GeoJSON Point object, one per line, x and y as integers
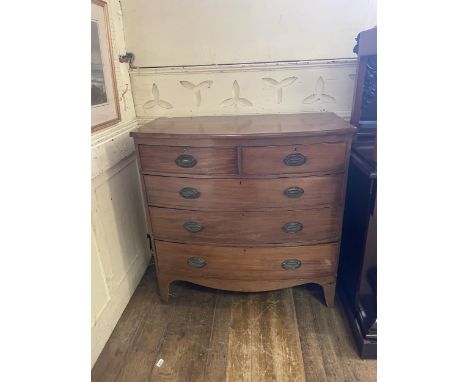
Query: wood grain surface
{"type": "Point", "coordinates": [246, 228]}
{"type": "Point", "coordinates": [251, 264]}
{"type": "Point", "coordinates": [243, 194]}
{"type": "Point", "coordinates": [329, 157]}
{"type": "Point", "coordinates": [210, 335]}
{"type": "Point", "coordinates": [209, 160]}
{"type": "Point", "coordinates": [267, 125]}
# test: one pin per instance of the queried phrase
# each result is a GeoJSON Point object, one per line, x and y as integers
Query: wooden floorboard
{"type": "Point", "coordinates": [263, 341]}
{"type": "Point", "coordinates": [204, 334]}
{"type": "Point", "coordinates": [187, 338]}
{"type": "Point", "coordinates": [327, 344]}
{"type": "Point", "coordinates": [217, 357]}
{"type": "Point", "coordinates": [120, 346]}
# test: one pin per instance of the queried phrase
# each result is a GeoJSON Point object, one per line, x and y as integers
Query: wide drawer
{"type": "Point", "coordinates": [246, 228]}
{"type": "Point", "coordinates": [240, 263]}
{"type": "Point", "coordinates": [246, 194]}
{"type": "Point", "coordinates": [294, 159]}
{"type": "Point", "coordinates": [188, 160]}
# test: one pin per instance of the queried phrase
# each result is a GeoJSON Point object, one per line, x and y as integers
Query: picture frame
{"type": "Point", "coordinates": [105, 110]}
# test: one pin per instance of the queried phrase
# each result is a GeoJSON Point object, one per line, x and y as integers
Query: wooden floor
{"type": "Point", "coordinates": [209, 335]}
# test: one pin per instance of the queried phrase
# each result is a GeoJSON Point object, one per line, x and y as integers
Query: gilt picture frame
{"type": "Point", "coordinates": [105, 110]}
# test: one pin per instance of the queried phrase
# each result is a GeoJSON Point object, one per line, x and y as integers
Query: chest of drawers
{"type": "Point", "coordinates": [245, 203]}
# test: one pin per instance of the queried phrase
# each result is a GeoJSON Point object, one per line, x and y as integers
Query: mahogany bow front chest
{"type": "Point", "coordinates": [245, 203]}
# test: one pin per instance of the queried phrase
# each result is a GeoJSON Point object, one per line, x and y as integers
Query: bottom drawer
{"type": "Point", "coordinates": [250, 264]}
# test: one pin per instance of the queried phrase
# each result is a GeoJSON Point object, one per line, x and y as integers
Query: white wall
{"type": "Point", "coordinates": [189, 32]}
{"type": "Point", "coordinates": [317, 36]}
{"type": "Point", "coordinates": [119, 248]}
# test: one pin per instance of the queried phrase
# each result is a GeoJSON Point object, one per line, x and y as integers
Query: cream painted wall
{"type": "Point", "coordinates": [180, 44]}
{"type": "Point", "coordinates": [119, 254]}
{"type": "Point", "coordinates": [305, 87]}
{"type": "Point", "coordinates": [188, 32]}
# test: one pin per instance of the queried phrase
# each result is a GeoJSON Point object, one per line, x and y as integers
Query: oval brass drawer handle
{"type": "Point", "coordinates": [185, 161]}
{"type": "Point", "coordinates": [293, 192]}
{"type": "Point", "coordinates": [290, 264]}
{"type": "Point", "coordinates": [196, 262]}
{"type": "Point", "coordinates": [292, 227]}
{"type": "Point", "coordinates": [189, 193]}
{"type": "Point", "coordinates": [193, 227]}
{"type": "Point", "coordinates": [295, 159]}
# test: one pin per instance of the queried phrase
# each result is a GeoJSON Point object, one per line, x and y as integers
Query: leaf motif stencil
{"type": "Point", "coordinates": [236, 99]}
{"type": "Point", "coordinates": [319, 95]}
{"type": "Point", "coordinates": [156, 101]}
{"type": "Point", "coordinates": [196, 89]}
{"type": "Point", "coordinates": [278, 86]}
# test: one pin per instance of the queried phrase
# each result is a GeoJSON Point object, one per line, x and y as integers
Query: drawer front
{"type": "Point", "coordinates": [239, 263]}
{"type": "Point", "coordinates": [243, 194]}
{"type": "Point", "coordinates": [188, 160]}
{"type": "Point", "coordinates": [319, 157]}
{"type": "Point", "coordinates": [246, 228]}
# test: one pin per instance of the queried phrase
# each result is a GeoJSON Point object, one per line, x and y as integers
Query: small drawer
{"type": "Point", "coordinates": [294, 159]}
{"type": "Point", "coordinates": [188, 160]}
{"type": "Point", "coordinates": [250, 264]}
{"type": "Point", "coordinates": [318, 225]}
{"type": "Point", "coordinates": [243, 194]}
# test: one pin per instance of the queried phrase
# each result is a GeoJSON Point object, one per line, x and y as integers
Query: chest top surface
{"type": "Point", "coordinates": [269, 125]}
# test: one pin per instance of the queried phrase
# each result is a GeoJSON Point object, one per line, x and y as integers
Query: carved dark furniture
{"type": "Point", "coordinates": [248, 203]}
{"type": "Point", "coordinates": [357, 276]}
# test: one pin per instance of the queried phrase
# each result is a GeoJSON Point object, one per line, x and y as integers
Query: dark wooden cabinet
{"type": "Point", "coordinates": [247, 203]}
{"type": "Point", "coordinates": [357, 275]}
{"type": "Point", "coordinates": [358, 260]}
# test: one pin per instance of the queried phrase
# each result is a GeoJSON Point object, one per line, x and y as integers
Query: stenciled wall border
{"type": "Point", "coordinates": [279, 87]}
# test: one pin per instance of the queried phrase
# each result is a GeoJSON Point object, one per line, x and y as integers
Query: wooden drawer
{"type": "Point", "coordinates": [243, 194]}
{"type": "Point", "coordinates": [234, 263]}
{"type": "Point", "coordinates": [294, 159]}
{"type": "Point", "coordinates": [246, 228]}
{"type": "Point", "coordinates": [188, 160]}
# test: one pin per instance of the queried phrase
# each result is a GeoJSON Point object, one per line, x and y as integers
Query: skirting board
{"type": "Point", "coordinates": [102, 327]}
